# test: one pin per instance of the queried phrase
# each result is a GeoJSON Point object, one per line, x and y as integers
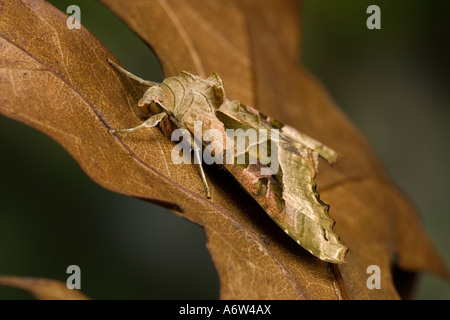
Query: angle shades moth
{"type": "Point", "coordinates": [286, 192]}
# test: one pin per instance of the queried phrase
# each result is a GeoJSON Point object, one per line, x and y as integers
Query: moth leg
{"type": "Point", "coordinates": [202, 173]}
{"type": "Point", "coordinates": [132, 76]}
{"type": "Point", "coordinates": [150, 122]}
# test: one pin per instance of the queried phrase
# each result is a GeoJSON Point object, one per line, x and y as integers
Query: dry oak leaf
{"type": "Point", "coordinates": [43, 289]}
{"type": "Point", "coordinates": [57, 80]}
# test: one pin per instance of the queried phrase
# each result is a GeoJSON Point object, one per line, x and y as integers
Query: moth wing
{"type": "Point", "coordinates": [289, 197]}
{"type": "Point", "coordinates": [292, 136]}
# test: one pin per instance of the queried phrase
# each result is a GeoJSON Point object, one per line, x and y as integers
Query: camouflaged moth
{"type": "Point", "coordinates": [288, 193]}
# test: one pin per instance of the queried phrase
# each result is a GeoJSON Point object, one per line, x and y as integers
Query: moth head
{"type": "Point", "coordinates": [150, 99]}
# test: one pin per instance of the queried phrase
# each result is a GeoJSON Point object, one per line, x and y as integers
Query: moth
{"type": "Point", "coordinates": [286, 192]}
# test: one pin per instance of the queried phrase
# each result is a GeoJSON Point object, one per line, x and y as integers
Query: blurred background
{"type": "Point", "coordinates": [393, 83]}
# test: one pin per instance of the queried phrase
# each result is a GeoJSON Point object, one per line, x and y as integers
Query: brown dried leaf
{"type": "Point", "coordinates": [57, 80]}
{"type": "Point", "coordinates": [43, 289]}
{"type": "Point", "coordinates": [260, 39]}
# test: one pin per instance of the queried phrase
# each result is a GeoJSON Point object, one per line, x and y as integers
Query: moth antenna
{"type": "Point", "coordinates": [132, 76]}
{"type": "Point", "coordinates": [151, 122]}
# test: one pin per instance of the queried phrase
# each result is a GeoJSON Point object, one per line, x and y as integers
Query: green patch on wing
{"type": "Point", "coordinates": [298, 209]}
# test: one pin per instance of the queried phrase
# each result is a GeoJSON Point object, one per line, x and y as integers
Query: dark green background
{"type": "Point", "coordinates": [393, 83]}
